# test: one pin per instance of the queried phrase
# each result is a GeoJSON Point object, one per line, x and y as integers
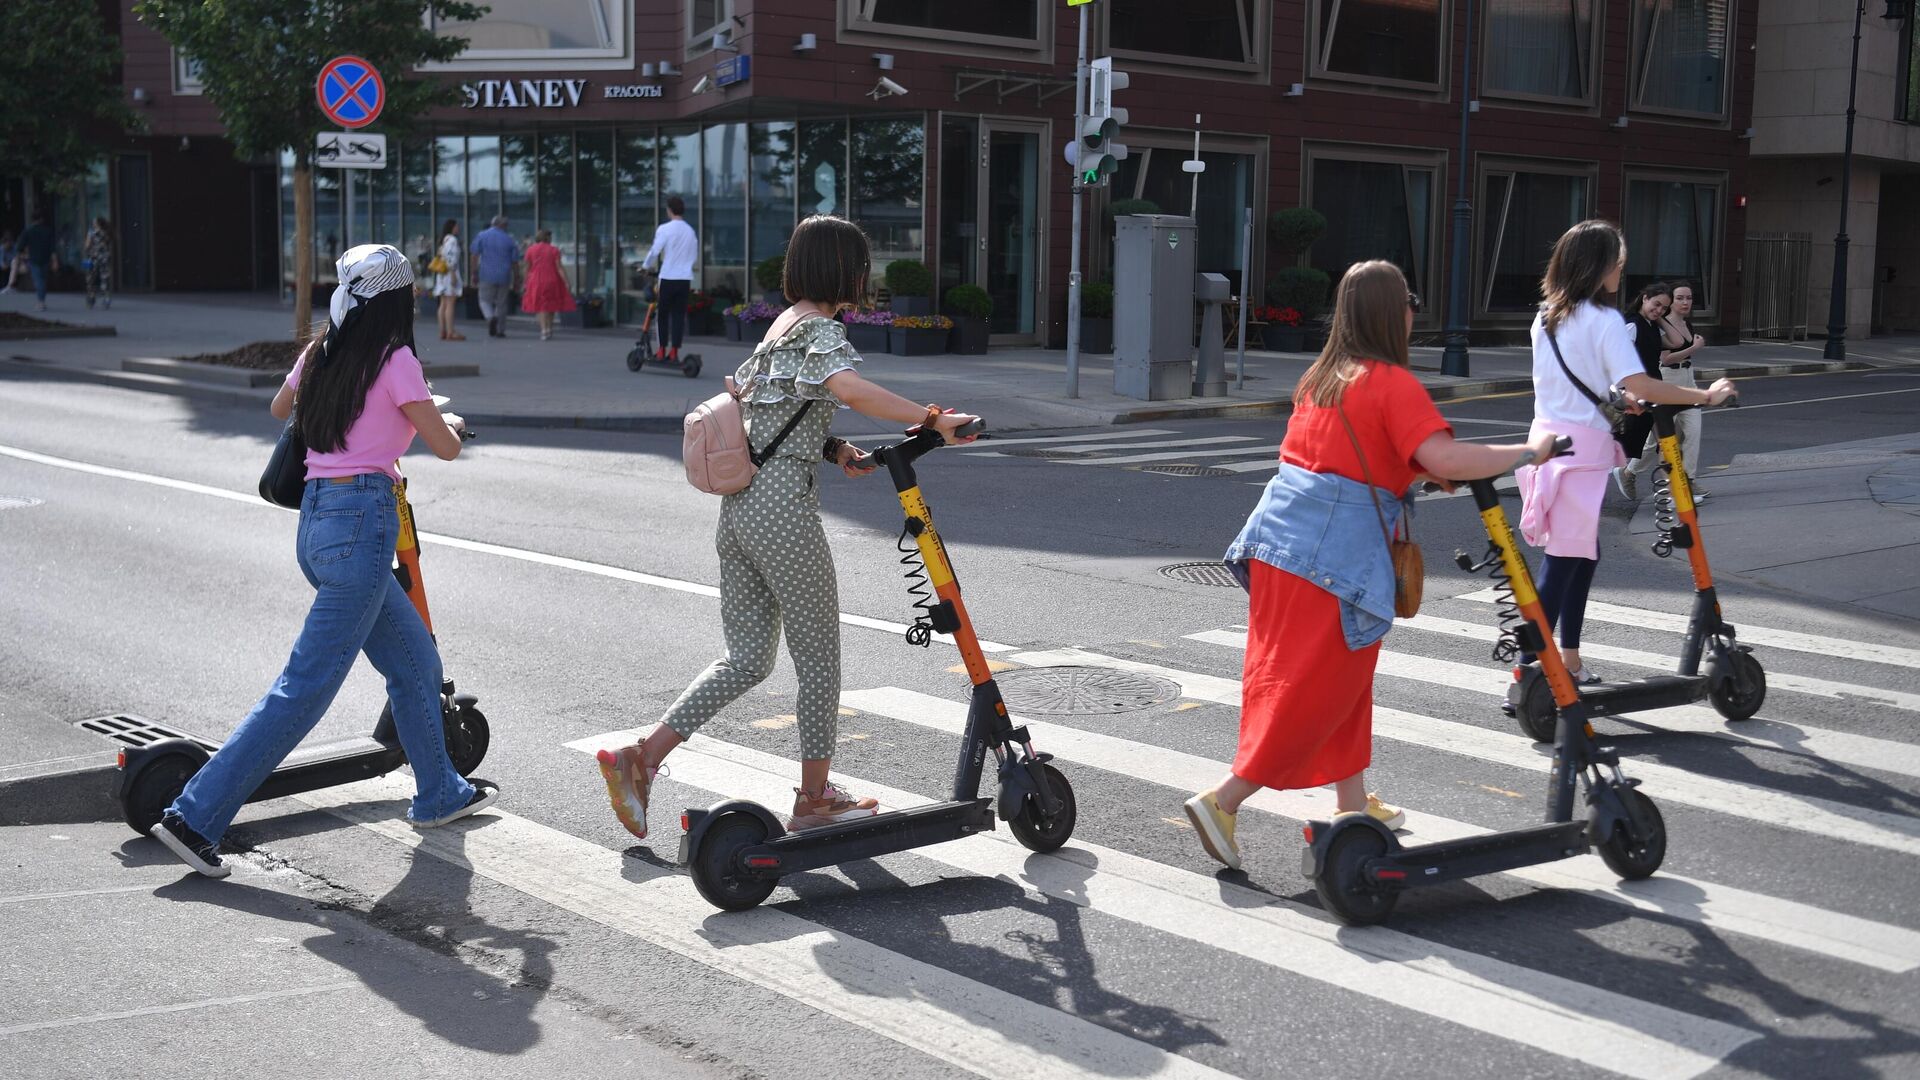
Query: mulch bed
{"type": "Point", "coordinates": [258, 355]}
{"type": "Point", "coordinates": [13, 320]}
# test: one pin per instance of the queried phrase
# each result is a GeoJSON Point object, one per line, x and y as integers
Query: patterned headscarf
{"type": "Point", "coordinates": [364, 273]}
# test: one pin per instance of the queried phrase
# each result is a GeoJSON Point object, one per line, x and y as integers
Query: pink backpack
{"type": "Point", "coordinates": [714, 448]}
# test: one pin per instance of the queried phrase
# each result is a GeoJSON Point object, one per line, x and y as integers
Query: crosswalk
{"type": "Point", "coordinates": [1268, 921]}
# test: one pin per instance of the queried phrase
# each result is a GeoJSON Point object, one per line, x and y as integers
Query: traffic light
{"type": "Point", "coordinates": [1099, 151]}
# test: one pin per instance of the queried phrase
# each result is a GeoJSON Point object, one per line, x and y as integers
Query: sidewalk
{"type": "Point", "coordinates": [579, 379]}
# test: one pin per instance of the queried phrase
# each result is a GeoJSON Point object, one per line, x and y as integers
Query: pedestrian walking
{"type": "Point", "coordinates": [42, 260]}
{"type": "Point", "coordinates": [362, 397]}
{"type": "Point", "coordinates": [1314, 560]}
{"type": "Point", "coordinates": [547, 290]}
{"type": "Point", "coordinates": [677, 249]}
{"type": "Point", "coordinates": [1580, 351]}
{"type": "Point", "coordinates": [96, 258]}
{"type": "Point", "coordinates": [776, 568]}
{"type": "Point", "coordinates": [1643, 326]}
{"type": "Point", "coordinates": [447, 283]}
{"type": "Point", "coordinates": [1679, 345]}
{"type": "Point", "coordinates": [495, 254]}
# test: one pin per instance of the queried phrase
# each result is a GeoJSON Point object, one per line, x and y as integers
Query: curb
{"type": "Point", "coordinates": [71, 789]}
{"type": "Point", "coordinates": [58, 332]}
{"type": "Point", "coordinates": [1282, 405]}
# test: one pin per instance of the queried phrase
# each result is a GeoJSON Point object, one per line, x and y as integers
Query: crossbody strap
{"type": "Point", "coordinates": [1577, 384]}
{"type": "Point", "coordinates": [1372, 491]}
{"type": "Point", "coordinates": [761, 457]}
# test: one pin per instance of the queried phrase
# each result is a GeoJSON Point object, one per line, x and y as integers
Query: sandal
{"type": "Point", "coordinates": [456, 336]}
{"type": "Point", "coordinates": [629, 786]}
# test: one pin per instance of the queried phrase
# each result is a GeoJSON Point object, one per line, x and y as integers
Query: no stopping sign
{"type": "Point", "coordinates": [350, 92]}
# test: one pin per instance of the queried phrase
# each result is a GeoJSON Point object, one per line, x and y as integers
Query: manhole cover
{"type": "Point", "coordinates": [1201, 573]}
{"type": "Point", "coordinates": [1185, 470]}
{"type": "Point", "coordinates": [1083, 691]}
{"type": "Point", "coordinates": [17, 502]}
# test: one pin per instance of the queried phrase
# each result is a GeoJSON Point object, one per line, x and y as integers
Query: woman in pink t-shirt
{"type": "Point", "coordinates": [362, 397]}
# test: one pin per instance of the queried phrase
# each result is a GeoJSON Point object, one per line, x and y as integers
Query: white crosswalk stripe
{"type": "Point", "coordinates": [1563, 1017]}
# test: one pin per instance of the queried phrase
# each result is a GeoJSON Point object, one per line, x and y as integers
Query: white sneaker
{"type": "Point", "coordinates": [1625, 484]}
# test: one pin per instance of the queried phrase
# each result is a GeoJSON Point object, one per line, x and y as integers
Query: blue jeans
{"type": "Point", "coordinates": [347, 533]}
{"type": "Point", "coordinates": [38, 272]}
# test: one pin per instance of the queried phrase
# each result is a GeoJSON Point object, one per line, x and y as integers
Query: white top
{"type": "Point", "coordinates": [1599, 350]}
{"type": "Point", "coordinates": [678, 249]}
{"type": "Point", "coordinates": [449, 283]}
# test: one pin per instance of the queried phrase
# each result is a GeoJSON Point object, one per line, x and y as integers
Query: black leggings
{"type": "Point", "coordinates": [1563, 595]}
{"type": "Point", "coordinates": [673, 312]}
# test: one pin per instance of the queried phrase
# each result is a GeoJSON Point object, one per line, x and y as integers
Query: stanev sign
{"type": "Point", "coordinates": [524, 93]}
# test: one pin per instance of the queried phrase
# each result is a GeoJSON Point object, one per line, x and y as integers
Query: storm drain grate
{"type": "Point", "coordinates": [1183, 470]}
{"type": "Point", "coordinates": [1201, 573]}
{"type": "Point", "coordinates": [1046, 453]}
{"type": "Point", "coordinates": [1083, 691]}
{"type": "Point", "coordinates": [134, 731]}
{"type": "Point", "coordinates": [17, 502]}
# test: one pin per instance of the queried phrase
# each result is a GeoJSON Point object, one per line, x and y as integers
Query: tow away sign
{"type": "Point", "coordinates": [350, 150]}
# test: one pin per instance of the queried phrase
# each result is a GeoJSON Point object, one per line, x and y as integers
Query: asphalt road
{"type": "Point", "coordinates": [1780, 939]}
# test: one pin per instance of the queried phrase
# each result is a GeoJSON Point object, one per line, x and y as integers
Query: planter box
{"type": "Point", "coordinates": [968, 337]}
{"type": "Point", "coordinates": [705, 323]}
{"type": "Point", "coordinates": [1283, 338]}
{"type": "Point", "coordinates": [911, 305]}
{"type": "Point", "coordinates": [1096, 335]}
{"type": "Point", "coordinates": [753, 333]}
{"type": "Point", "coordinates": [916, 342]}
{"type": "Point", "coordinates": [733, 329]}
{"type": "Point", "coordinates": [1316, 339]}
{"type": "Point", "coordinates": [867, 339]}
{"type": "Point", "coordinates": [587, 315]}
{"type": "Point", "coordinates": [774, 297]}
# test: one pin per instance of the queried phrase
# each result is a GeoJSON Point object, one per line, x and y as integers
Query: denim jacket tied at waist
{"type": "Point", "coordinates": [1322, 527]}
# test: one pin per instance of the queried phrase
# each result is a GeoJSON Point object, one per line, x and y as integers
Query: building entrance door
{"type": "Point", "coordinates": [993, 215]}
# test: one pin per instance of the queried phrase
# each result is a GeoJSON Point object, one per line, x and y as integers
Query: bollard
{"type": "Point", "coordinates": [1210, 370]}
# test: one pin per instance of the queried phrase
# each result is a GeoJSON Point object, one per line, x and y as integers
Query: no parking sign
{"type": "Point", "coordinates": [350, 92]}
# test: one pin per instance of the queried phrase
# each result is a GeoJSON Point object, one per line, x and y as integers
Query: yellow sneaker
{"type": "Point", "coordinates": [1391, 816]}
{"type": "Point", "coordinates": [1215, 827]}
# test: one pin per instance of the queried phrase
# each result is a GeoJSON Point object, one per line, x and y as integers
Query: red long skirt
{"type": "Point", "coordinates": [1306, 714]}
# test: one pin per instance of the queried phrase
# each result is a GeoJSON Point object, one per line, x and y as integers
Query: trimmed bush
{"type": "Point", "coordinates": [1300, 287]}
{"type": "Point", "coordinates": [969, 301]}
{"type": "Point", "coordinates": [908, 277]}
{"type": "Point", "coordinates": [1123, 207]}
{"type": "Point", "coordinates": [1294, 230]}
{"type": "Point", "coordinates": [767, 272]}
{"type": "Point", "coordinates": [1096, 300]}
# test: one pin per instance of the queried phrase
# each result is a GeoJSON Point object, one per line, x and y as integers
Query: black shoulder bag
{"type": "Point", "coordinates": [1616, 417]}
{"type": "Point", "coordinates": [285, 479]}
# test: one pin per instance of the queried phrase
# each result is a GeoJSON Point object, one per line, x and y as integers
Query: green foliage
{"type": "Point", "coordinates": [59, 86]}
{"type": "Point", "coordinates": [1096, 300]}
{"type": "Point", "coordinates": [258, 60]}
{"type": "Point", "coordinates": [970, 301]}
{"type": "Point", "coordinates": [1124, 207]}
{"type": "Point", "coordinates": [909, 277]}
{"type": "Point", "coordinates": [1300, 287]}
{"type": "Point", "coordinates": [767, 272]}
{"type": "Point", "coordinates": [1294, 230]}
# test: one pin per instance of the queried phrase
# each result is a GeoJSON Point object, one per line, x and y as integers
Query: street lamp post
{"type": "Point", "coordinates": [1837, 308]}
{"type": "Point", "coordinates": [1454, 360]}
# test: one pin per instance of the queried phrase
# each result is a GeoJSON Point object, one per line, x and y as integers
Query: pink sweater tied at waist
{"type": "Point", "coordinates": [1560, 498]}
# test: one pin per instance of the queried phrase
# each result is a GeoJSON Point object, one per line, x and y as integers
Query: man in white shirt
{"type": "Point", "coordinates": [676, 248]}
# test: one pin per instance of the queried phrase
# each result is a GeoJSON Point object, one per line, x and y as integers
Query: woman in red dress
{"type": "Point", "coordinates": [547, 290]}
{"type": "Point", "coordinates": [1360, 418]}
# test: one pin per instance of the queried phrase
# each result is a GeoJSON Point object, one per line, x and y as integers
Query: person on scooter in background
{"type": "Point", "coordinates": [361, 398]}
{"type": "Point", "coordinates": [1580, 350]}
{"type": "Point", "coordinates": [1313, 557]}
{"type": "Point", "coordinates": [1643, 326]}
{"type": "Point", "coordinates": [776, 568]}
{"type": "Point", "coordinates": [677, 250]}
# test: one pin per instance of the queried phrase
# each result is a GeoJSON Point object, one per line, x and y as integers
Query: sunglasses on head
{"type": "Point", "coordinates": [1413, 302]}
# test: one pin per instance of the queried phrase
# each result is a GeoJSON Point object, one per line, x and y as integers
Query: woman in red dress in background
{"type": "Point", "coordinates": [547, 290]}
{"type": "Point", "coordinates": [1314, 559]}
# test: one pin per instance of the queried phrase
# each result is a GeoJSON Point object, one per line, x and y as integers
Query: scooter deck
{"type": "Point", "coordinates": [868, 837]}
{"type": "Point", "coordinates": [1641, 695]}
{"type": "Point", "coordinates": [1450, 860]}
{"type": "Point", "coordinates": [328, 764]}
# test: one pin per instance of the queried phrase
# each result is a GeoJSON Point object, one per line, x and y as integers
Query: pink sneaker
{"type": "Point", "coordinates": [629, 786]}
{"type": "Point", "coordinates": [831, 805]}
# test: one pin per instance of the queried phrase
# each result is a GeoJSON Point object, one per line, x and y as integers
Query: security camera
{"type": "Point", "coordinates": [887, 88]}
{"type": "Point", "coordinates": [704, 84]}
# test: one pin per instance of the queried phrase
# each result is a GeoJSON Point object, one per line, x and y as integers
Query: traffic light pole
{"type": "Point", "coordinates": [1073, 267]}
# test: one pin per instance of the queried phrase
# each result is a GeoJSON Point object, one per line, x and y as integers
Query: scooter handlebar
{"type": "Point", "coordinates": [1562, 446]}
{"type": "Point", "coordinates": [922, 438]}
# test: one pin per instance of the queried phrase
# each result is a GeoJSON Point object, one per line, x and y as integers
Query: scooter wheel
{"type": "Point", "coordinates": [636, 357]}
{"type": "Point", "coordinates": [692, 370]}
{"type": "Point", "coordinates": [1046, 834]}
{"type": "Point", "coordinates": [1343, 887]}
{"type": "Point", "coordinates": [467, 737]}
{"type": "Point", "coordinates": [717, 872]}
{"type": "Point", "coordinates": [1741, 693]}
{"type": "Point", "coordinates": [160, 781]}
{"type": "Point", "coordinates": [1538, 716]}
{"type": "Point", "coordinates": [1634, 857]}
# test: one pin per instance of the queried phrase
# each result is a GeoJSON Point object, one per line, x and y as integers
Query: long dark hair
{"type": "Point", "coordinates": [338, 368]}
{"type": "Point", "coordinates": [1649, 290]}
{"type": "Point", "coordinates": [1582, 259]}
{"type": "Point", "coordinates": [447, 227]}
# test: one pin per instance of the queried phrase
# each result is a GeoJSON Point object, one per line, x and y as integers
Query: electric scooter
{"type": "Point", "coordinates": [1732, 678]}
{"type": "Point", "coordinates": [152, 776]}
{"type": "Point", "coordinates": [738, 850]}
{"type": "Point", "coordinates": [643, 352]}
{"type": "Point", "coordinates": [1356, 863]}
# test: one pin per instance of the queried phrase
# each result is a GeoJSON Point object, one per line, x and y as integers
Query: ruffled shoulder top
{"type": "Point", "coordinates": [797, 366]}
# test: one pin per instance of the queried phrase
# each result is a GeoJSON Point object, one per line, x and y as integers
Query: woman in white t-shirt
{"type": "Point", "coordinates": [1581, 351]}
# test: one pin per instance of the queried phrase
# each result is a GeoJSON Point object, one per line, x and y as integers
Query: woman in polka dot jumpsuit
{"type": "Point", "coordinates": [776, 568]}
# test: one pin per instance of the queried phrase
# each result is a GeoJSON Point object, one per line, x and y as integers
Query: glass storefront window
{"type": "Point", "coordinates": [1375, 209]}
{"type": "Point", "coordinates": [771, 160]}
{"type": "Point", "coordinates": [888, 184]}
{"type": "Point", "coordinates": [1680, 55]}
{"type": "Point", "coordinates": [327, 231]}
{"type": "Point", "coordinates": [519, 181]}
{"type": "Point", "coordinates": [1206, 30]}
{"type": "Point", "coordinates": [823, 167]}
{"type": "Point", "coordinates": [1018, 19]}
{"type": "Point", "coordinates": [636, 216]}
{"type": "Point", "coordinates": [593, 200]}
{"type": "Point", "coordinates": [1539, 50]}
{"type": "Point", "coordinates": [1672, 228]}
{"type": "Point", "coordinates": [449, 189]}
{"type": "Point", "coordinates": [287, 253]}
{"type": "Point", "coordinates": [483, 184]}
{"type": "Point", "coordinates": [416, 204]}
{"type": "Point", "coordinates": [723, 223]}
{"type": "Point", "coordinates": [1523, 215]}
{"type": "Point", "coordinates": [555, 172]}
{"type": "Point", "coordinates": [1154, 173]}
{"type": "Point", "coordinates": [1396, 41]}
{"type": "Point", "coordinates": [542, 30]}
{"type": "Point", "coordinates": [704, 18]}
{"type": "Point", "coordinates": [383, 209]}
{"type": "Point", "coordinates": [959, 202]}
{"type": "Point", "coordinates": [679, 175]}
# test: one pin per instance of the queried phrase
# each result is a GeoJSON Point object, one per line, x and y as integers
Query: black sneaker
{"type": "Point", "coordinates": [484, 795]}
{"type": "Point", "coordinates": [192, 848]}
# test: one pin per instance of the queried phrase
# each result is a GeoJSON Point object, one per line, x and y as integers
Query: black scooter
{"type": "Point", "coordinates": [1732, 678]}
{"type": "Point", "coordinates": [643, 351]}
{"type": "Point", "coordinates": [152, 776]}
{"type": "Point", "coordinates": [738, 850]}
{"type": "Point", "coordinates": [1357, 865]}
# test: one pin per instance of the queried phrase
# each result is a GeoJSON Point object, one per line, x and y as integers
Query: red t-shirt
{"type": "Point", "coordinates": [1391, 414]}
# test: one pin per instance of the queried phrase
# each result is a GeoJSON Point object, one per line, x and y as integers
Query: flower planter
{"type": "Point", "coordinates": [867, 339]}
{"type": "Point", "coordinates": [1283, 338]}
{"type": "Point", "coordinates": [588, 313]}
{"type": "Point", "coordinates": [917, 342]}
{"type": "Point", "coordinates": [705, 323]}
{"type": "Point", "coordinates": [1096, 335]}
{"type": "Point", "coordinates": [1316, 340]}
{"type": "Point", "coordinates": [753, 331]}
{"type": "Point", "coordinates": [912, 305]}
{"type": "Point", "coordinates": [968, 337]}
{"type": "Point", "coordinates": [734, 332]}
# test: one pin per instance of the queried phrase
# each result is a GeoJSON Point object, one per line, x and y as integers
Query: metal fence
{"type": "Point", "coordinates": [1774, 301]}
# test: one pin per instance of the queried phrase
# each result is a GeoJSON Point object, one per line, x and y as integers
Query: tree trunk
{"type": "Point", "coordinates": [302, 248]}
